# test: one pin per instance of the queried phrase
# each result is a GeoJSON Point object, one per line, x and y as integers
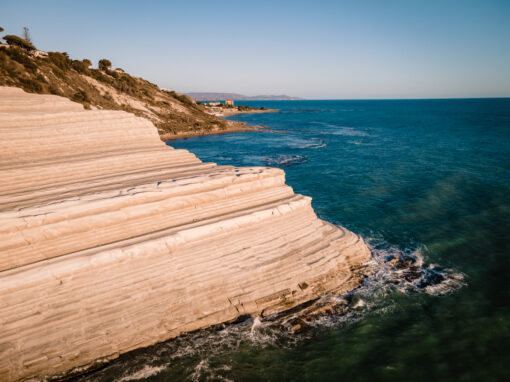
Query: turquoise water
{"type": "Point", "coordinates": [426, 178]}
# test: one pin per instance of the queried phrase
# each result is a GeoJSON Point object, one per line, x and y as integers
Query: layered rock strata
{"type": "Point", "coordinates": [110, 240]}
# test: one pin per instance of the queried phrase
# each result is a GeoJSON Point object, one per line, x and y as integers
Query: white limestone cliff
{"type": "Point", "coordinates": [110, 240]}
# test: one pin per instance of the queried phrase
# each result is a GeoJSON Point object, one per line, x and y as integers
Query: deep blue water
{"type": "Point", "coordinates": [429, 178]}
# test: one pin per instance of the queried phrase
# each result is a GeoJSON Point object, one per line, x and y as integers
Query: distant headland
{"type": "Point", "coordinates": [197, 96]}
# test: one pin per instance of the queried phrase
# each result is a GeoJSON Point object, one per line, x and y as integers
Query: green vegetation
{"type": "Point", "coordinates": [61, 60]}
{"type": "Point", "coordinates": [81, 96]}
{"type": "Point", "coordinates": [103, 88]}
{"type": "Point", "coordinates": [104, 65]}
{"type": "Point", "coordinates": [18, 41]}
{"type": "Point", "coordinates": [248, 108]}
{"type": "Point", "coordinates": [184, 99]}
{"type": "Point", "coordinates": [80, 66]}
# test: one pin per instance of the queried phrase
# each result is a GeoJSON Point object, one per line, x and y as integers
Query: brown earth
{"type": "Point", "coordinates": [175, 115]}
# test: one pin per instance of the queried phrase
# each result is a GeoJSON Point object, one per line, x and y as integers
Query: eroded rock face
{"type": "Point", "coordinates": [110, 240]}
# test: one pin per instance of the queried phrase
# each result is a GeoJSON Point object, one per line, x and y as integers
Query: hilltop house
{"type": "Point", "coordinates": [229, 102]}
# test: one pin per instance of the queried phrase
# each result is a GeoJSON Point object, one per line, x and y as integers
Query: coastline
{"type": "Point", "coordinates": [233, 129]}
{"type": "Point", "coordinates": [234, 126]}
{"type": "Point", "coordinates": [169, 244]}
{"type": "Point", "coordinates": [230, 112]}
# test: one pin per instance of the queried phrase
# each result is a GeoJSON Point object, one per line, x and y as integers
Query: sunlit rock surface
{"type": "Point", "coordinates": [110, 240]}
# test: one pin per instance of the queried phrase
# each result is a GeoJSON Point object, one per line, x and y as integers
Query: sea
{"type": "Point", "coordinates": [424, 180]}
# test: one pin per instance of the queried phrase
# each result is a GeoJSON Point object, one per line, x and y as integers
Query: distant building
{"type": "Point", "coordinates": [212, 103]}
{"type": "Point", "coordinates": [229, 102]}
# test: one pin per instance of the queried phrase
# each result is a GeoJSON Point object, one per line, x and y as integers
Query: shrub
{"type": "Point", "coordinates": [55, 90]}
{"type": "Point", "coordinates": [60, 60]}
{"type": "Point", "coordinates": [20, 56]}
{"type": "Point", "coordinates": [80, 66]}
{"type": "Point", "coordinates": [31, 85]}
{"type": "Point", "coordinates": [18, 41]}
{"type": "Point", "coordinates": [104, 65]}
{"type": "Point", "coordinates": [81, 96]}
{"type": "Point", "coordinates": [41, 78]}
{"type": "Point", "coordinates": [184, 99]}
{"type": "Point", "coordinates": [126, 84]}
{"type": "Point", "coordinates": [87, 62]}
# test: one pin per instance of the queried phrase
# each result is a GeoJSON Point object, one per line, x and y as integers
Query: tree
{"type": "Point", "coordinates": [1, 30]}
{"type": "Point", "coordinates": [104, 64]}
{"type": "Point", "coordinates": [87, 62]}
{"type": "Point", "coordinates": [26, 35]}
{"type": "Point", "coordinates": [18, 41]}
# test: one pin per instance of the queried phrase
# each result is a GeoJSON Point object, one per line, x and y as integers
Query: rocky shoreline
{"type": "Point", "coordinates": [235, 127]}
{"type": "Point", "coordinates": [234, 111]}
{"type": "Point", "coordinates": [111, 240]}
{"type": "Point", "coordinates": [232, 126]}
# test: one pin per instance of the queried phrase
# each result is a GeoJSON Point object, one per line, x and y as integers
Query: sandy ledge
{"type": "Point", "coordinates": [233, 127]}
{"type": "Point", "coordinates": [230, 112]}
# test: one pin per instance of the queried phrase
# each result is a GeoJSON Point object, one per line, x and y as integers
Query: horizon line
{"type": "Point", "coordinates": [380, 99]}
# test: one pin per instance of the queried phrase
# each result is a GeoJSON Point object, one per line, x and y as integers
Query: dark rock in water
{"type": "Point", "coordinates": [298, 325]}
{"type": "Point", "coordinates": [240, 319]}
{"type": "Point", "coordinates": [392, 259]}
{"type": "Point", "coordinates": [354, 301]}
{"type": "Point", "coordinates": [297, 320]}
{"type": "Point", "coordinates": [400, 261]}
{"type": "Point", "coordinates": [431, 277]}
{"type": "Point", "coordinates": [404, 262]}
{"type": "Point", "coordinates": [412, 273]}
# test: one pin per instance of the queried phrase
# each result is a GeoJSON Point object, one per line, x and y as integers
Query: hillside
{"type": "Point", "coordinates": [55, 73]}
{"type": "Point", "coordinates": [199, 96]}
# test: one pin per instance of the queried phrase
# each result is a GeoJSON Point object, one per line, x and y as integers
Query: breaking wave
{"type": "Point", "coordinates": [316, 144]}
{"type": "Point", "coordinates": [146, 372]}
{"type": "Point", "coordinates": [333, 129]}
{"type": "Point", "coordinates": [195, 354]}
{"type": "Point", "coordinates": [286, 160]}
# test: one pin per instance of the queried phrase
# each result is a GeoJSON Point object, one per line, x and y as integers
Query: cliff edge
{"type": "Point", "coordinates": [110, 240]}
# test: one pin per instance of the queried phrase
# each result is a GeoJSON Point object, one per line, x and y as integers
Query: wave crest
{"type": "Point", "coordinates": [196, 354]}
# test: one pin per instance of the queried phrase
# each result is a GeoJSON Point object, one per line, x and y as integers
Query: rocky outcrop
{"type": "Point", "coordinates": [110, 240]}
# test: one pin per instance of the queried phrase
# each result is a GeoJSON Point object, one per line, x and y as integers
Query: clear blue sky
{"type": "Point", "coordinates": [314, 49]}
